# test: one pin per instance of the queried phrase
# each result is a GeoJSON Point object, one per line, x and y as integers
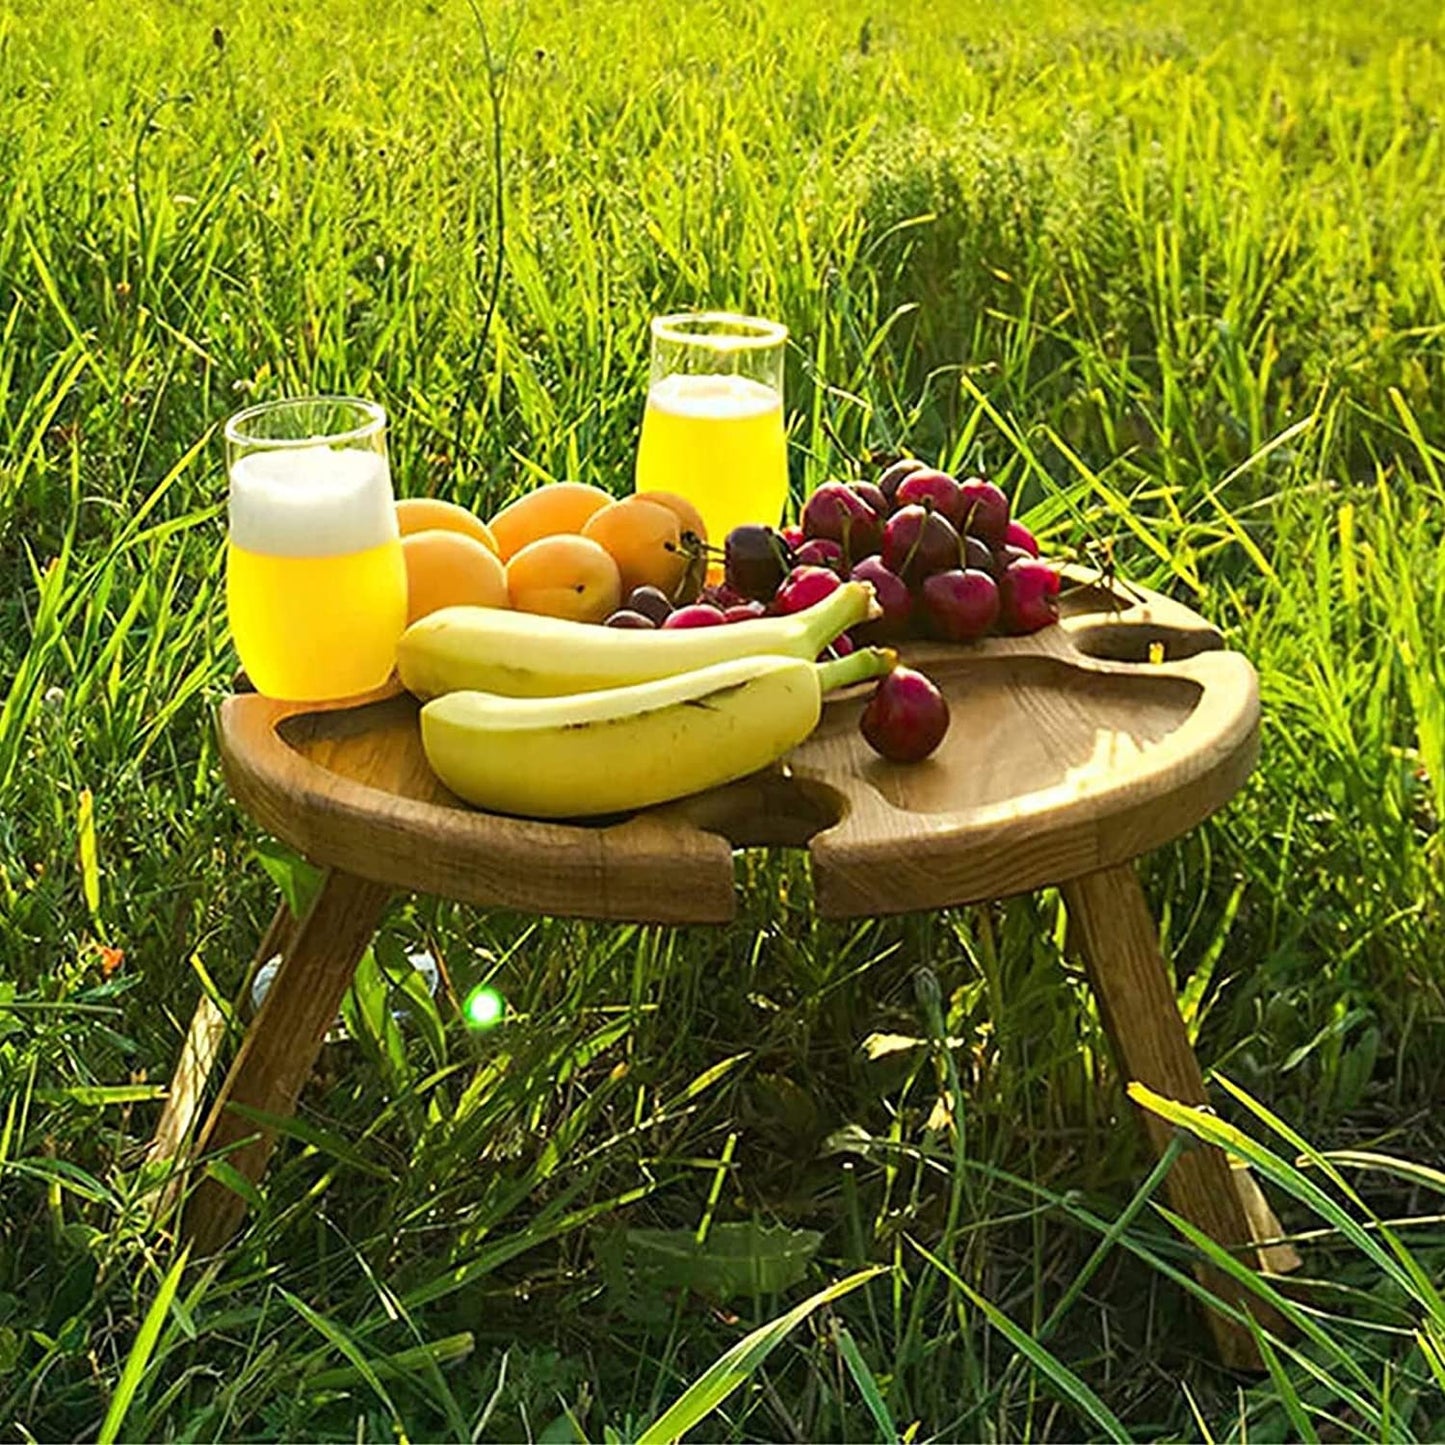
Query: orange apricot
{"type": "Point", "coordinates": [565, 576]}
{"type": "Point", "coordinates": [450, 569]}
{"type": "Point", "coordinates": [556, 509]}
{"type": "Point", "coordinates": [426, 514]}
{"type": "Point", "coordinates": [645, 541]}
{"type": "Point", "coordinates": [689, 519]}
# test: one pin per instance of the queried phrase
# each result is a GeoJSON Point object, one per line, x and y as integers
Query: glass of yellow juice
{"type": "Point", "coordinates": [712, 430]}
{"type": "Point", "coordinates": [315, 578]}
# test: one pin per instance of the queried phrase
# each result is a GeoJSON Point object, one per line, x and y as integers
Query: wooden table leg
{"type": "Point", "coordinates": [184, 1097]}
{"type": "Point", "coordinates": [1115, 932]}
{"type": "Point", "coordinates": [281, 1045]}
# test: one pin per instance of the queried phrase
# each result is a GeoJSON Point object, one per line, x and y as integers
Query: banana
{"type": "Point", "coordinates": [622, 748]}
{"type": "Point", "coordinates": [520, 654]}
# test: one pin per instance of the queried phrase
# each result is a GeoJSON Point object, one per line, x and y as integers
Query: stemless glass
{"type": "Point", "coordinates": [712, 430]}
{"type": "Point", "coordinates": [315, 578]}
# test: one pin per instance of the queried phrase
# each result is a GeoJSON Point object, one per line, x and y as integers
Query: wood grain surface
{"type": "Point", "coordinates": [1068, 751]}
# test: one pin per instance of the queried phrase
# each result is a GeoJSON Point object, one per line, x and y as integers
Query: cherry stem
{"type": "Point", "coordinates": [918, 540]}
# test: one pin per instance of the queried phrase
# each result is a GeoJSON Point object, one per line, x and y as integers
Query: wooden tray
{"type": "Point", "coordinates": [1069, 751]}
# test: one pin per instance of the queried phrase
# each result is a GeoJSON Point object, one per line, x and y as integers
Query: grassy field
{"type": "Point", "coordinates": [1175, 272]}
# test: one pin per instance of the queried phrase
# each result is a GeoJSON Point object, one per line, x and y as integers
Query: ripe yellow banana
{"type": "Point", "coordinates": [629, 747]}
{"type": "Point", "coordinates": [520, 654]}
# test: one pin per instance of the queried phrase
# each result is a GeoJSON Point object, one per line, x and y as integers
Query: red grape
{"type": "Point", "coordinates": [979, 555]}
{"type": "Point", "coordinates": [698, 614]}
{"type": "Point", "coordinates": [804, 587]}
{"type": "Point", "coordinates": [961, 606]}
{"type": "Point", "coordinates": [917, 542]}
{"type": "Point", "coordinates": [983, 510]}
{"type": "Point", "coordinates": [1017, 535]}
{"type": "Point", "coordinates": [755, 561]}
{"type": "Point", "coordinates": [891, 593]}
{"type": "Point", "coordinates": [906, 717]}
{"type": "Point", "coordinates": [722, 596]}
{"type": "Point", "coordinates": [626, 617]}
{"type": "Point", "coordinates": [1008, 554]}
{"type": "Point", "coordinates": [793, 537]}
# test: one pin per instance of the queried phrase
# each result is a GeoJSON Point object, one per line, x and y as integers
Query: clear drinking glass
{"type": "Point", "coordinates": [315, 579]}
{"type": "Point", "coordinates": [712, 430]}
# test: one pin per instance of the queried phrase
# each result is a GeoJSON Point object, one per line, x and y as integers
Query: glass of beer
{"type": "Point", "coordinates": [315, 579]}
{"type": "Point", "coordinates": [712, 430]}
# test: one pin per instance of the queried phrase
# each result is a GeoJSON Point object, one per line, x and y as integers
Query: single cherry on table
{"type": "Point", "coordinates": [906, 718]}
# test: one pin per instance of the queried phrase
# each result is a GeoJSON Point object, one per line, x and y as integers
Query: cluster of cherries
{"type": "Point", "coordinates": [943, 556]}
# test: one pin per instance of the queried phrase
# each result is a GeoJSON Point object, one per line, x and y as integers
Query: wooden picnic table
{"type": "Point", "coordinates": [1071, 753]}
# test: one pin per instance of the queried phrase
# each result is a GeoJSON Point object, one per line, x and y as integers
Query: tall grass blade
{"type": "Point", "coordinates": [736, 1366]}
{"type": "Point", "coordinates": [1338, 1352]}
{"type": "Point", "coordinates": [867, 1385]}
{"type": "Point", "coordinates": [1284, 1388]}
{"type": "Point", "coordinates": [140, 1353]}
{"type": "Point", "coordinates": [89, 861]}
{"type": "Point", "coordinates": [1412, 1173]}
{"type": "Point", "coordinates": [330, 1331]}
{"type": "Point", "coordinates": [1222, 1135]}
{"type": "Point", "coordinates": [1064, 1382]}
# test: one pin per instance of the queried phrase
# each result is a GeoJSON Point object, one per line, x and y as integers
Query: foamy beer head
{"type": "Point", "coordinates": [309, 478]}
{"type": "Point", "coordinates": [311, 501]}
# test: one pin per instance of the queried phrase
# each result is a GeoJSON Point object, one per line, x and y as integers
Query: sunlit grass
{"type": "Point", "coordinates": [1173, 272]}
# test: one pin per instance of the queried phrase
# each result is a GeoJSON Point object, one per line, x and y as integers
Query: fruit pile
{"type": "Point", "coordinates": [502, 651]}
{"type": "Point", "coordinates": [563, 550]}
{"type": "Point", "coordinates": [943, 557]}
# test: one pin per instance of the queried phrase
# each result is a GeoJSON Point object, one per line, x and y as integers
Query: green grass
{"type": "Point", "coordinates": [1175, 272]}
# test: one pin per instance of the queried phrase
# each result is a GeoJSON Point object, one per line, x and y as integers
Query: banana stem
{"type": "Point", "coordinates": [856, 667]}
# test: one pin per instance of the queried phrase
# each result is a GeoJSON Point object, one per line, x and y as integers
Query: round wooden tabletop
{"type": "Point", "coordinates": [1082, 746]}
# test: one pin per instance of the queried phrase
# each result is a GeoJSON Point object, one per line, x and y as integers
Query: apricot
{"type": "Point", "coordinates": [565, 576]}
{"type": "Point", "coordinates": [645, 541]}
{"type": "Point", "coordinates": [556, 509]}
{"type": "Point", "coordinates": [689, 519]}
{"type": "Point", "coordinates": [450, 569]}
{"type": "Point", "coordinates": [426, 514]}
